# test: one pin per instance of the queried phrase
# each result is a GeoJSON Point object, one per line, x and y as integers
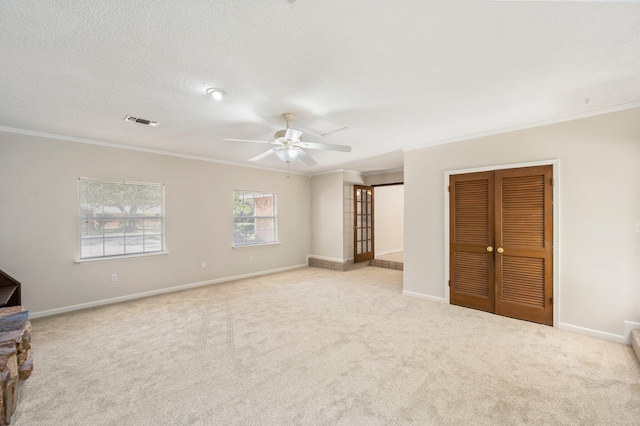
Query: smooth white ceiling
{"type": "Point", "coordinates": [398, 74]}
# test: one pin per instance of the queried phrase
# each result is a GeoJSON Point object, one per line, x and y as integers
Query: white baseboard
{"type": "Point", "coordinates": [156, 292]}
{"type": "Point", "coordinates": [422, 296]}
{"type": "Point", "coordinates": [594, 333]}
{"type": "Point", "coordinates": [382, 253]}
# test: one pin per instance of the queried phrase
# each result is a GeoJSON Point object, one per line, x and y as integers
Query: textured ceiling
{"type": "Point", "coordinates": [398, 74]}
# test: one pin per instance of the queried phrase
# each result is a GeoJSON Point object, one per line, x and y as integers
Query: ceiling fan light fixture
{"type": "Point", "coordinates": [290, 146]}
{"type": "Point", "coordinates": [216, 94]}
{"type": "Point", "coordinates": [287, 154]}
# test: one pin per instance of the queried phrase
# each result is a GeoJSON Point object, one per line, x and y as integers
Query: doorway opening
{"type": "Point", "coordinates": [387, 225]}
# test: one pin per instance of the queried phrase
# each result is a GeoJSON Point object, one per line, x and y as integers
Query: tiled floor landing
{"type": "Point", "coordinates": [390, 260]}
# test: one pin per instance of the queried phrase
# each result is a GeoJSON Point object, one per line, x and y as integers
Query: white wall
{"type": "Point", "coordinates": [599, 186]}
{"type": "Point", "coordinates": [327, 217]}
{"type": "Point", "coordinates": [332, 215]}
{"type": "Point", "coordinates": [388, 209]}
{"type": "Point", "coordinates": [39, 210]}
{"type": "Point", "coordinates": [385, 178]}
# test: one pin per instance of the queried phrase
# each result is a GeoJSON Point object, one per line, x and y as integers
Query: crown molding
{"type": "Point", "coordinates": [139, 149]}
{"type": "Point", "coordinates": [540, 123]}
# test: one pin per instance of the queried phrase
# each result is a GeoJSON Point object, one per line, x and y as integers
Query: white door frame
{"type": "Point", "coordinates": [556, 224]}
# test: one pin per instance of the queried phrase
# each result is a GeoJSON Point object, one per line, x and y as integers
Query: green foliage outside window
{"type": "Point", "coordinates": [254, 218]}
{"type": "Point", "coordinates": [119, 218]}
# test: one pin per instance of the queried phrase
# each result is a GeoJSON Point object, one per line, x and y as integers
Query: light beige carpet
{"type": "Point", "coordinates": [318, 347]}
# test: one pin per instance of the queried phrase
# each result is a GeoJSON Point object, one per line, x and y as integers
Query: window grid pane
{"type": "Point", "coordinates": [120, 218]}
{"type": "Point", "coordinates": [254, 218]}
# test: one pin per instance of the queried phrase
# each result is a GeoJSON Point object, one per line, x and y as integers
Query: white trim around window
{"type": "Point", "coordinates": [119, 219]}
{"type": "Point", "coordinates": [254, 218]}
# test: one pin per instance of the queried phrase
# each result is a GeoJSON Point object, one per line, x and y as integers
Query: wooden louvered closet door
{"type": "Point", "coordinates": [524, 230]}
{"type": "Point", "coordinates": [519, 242]}
{"type": "Point", "coordinates": [472, 231]}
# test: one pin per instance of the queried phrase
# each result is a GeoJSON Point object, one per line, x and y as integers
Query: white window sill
{"type": "Point", "coordinates": [121, 257]}
{"type": "Point", "coordinates": [275, 243]}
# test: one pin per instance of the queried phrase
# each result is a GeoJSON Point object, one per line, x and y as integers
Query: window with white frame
{"type": "Point", "coordinates": [254, 218]}
{"type": "Point", "coordinates": [120, 218]}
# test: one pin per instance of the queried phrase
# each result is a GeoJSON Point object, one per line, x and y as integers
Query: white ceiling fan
{"type": "Point", "coordinates": [290, 147]}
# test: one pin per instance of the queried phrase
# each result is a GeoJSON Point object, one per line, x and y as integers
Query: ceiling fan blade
{"type": "Point", "coordinates": [306, 158]}
{"type": "Point", "coordinates": [293, 135]}
{"type": "Point", "coordinates": [246, 140]}
{"type": "Point", "coordinates": [325, 146]}
{"type": "Point", "coordinates": [264, 154]}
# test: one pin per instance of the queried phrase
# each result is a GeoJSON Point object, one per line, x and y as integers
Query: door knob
{"type": "Point", "coordinates": [489, 249]}
{"type": "Point", "coordinates": [500, 250]}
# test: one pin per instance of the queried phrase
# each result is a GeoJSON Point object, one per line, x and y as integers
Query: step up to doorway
{"type": "Point", "coordinates": [635, 342]}
{"type": "Point", "coordinates": [390, 264]}
{"type": "Point", "coordinates": [347, 265]}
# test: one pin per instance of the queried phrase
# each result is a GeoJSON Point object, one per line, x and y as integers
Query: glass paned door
{"type": "Point", "coordinates": [363, 223]}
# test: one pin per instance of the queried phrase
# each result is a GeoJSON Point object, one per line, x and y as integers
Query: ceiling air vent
{"type": "Point", "coordinates": [141, 121]}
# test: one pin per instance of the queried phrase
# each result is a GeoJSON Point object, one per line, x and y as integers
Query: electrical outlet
{"type": "Point", "coordinates": [204, 264]}
{"type": "Point", "coordinates": [637, 226]}
{"type": "Point", "coordinates": [250, 258]}
{"type": "Point", "coordinates": [114, 277]}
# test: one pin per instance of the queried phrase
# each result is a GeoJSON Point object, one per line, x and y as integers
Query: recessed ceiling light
{"type": "Point", "coordinates": [216, 94]}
